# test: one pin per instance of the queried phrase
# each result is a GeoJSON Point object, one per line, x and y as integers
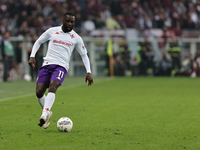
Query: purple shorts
{"type": "Point", "coordinates": [51, 72]}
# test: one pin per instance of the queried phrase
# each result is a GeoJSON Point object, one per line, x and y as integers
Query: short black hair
{"type": "Point", "coordinates": [69, 13]}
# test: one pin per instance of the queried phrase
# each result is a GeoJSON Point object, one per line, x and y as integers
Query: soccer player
{"type": "Point", "coordinates": [62, 41]}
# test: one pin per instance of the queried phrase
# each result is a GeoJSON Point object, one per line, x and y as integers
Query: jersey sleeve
{"type": "Point", "coordinates": [42, 39]}
{"type": "Point", "coordinates": [80, 47]}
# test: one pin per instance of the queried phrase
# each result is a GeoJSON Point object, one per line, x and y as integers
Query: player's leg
{"type": "Point", "coordinates": [49, 101]}
{"type": "Point", "coordinates": [57, 78]}
{"type": "Point", "coordinates": [43, 80]}
{"type": "Point", "coordinates": [50, 98]}
{"type": "Point", "coordinates": [40, 93]}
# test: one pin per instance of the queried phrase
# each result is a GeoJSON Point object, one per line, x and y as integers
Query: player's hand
{"type": "Point", "coordinates": [32, 62]}
{"type": "Point", "coordinates": [89, 79]}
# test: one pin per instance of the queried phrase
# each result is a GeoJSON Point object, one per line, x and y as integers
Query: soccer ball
{"type": "Point", "coordinates": [27, 77]}
{"type": "Point", "coordinates": [65, 124]}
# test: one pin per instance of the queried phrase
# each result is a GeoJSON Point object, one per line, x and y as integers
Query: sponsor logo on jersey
{"type": "Point", "coordinates": [83, 47]}
{"type": "Point", "coordinates": [72, 36]}
{"type": "Point", "coordinates": [63, 42]}
{"type": "Point", "coordinates": [57, 32]}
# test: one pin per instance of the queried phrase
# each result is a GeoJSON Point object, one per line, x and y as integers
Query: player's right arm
{"type": "Point", "coordinates": [42, 39]}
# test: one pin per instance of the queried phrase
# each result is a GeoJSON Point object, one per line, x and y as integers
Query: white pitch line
{"type": "Point", "coordinates": [14, 97]}
{"type": "Point", "coordinates": [61, 88]}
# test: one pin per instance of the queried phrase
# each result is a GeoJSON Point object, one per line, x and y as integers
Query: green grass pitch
{"type": "Point", "coordinates": [113, 114]}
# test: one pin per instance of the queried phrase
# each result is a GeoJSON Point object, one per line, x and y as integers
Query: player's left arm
{"type": "Point", "coordinates": [80, 47]}
{"type": "Point", "coordinates": [86, 63]}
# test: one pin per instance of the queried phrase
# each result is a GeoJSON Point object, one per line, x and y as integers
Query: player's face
{"type": "Point", "coordinates": [68, 23]}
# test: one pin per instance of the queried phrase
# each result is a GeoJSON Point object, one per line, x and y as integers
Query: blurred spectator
{"type": "Point", "coordinates": [112, 24]}
{"type": "Point", "coordinates": [156, 16]}
{"type": "Point", "coordinates": [136, 25]}
{"type": "Point", "coordinates": [109, 48]}
{"type": "Point", "coordinates": [12, 7]}
{"type": "Point", "coordinates": [125, 54]}
{"type": "Point", "coordinates": [31, 6]}
{"type": "Point", "coordinates": [22, 17]}
{"type": "Point", "coordinates": [193, 14]}
{"type": "Point", "coordinates": [190, 25]}
{"type": "Point", "coordinates": [78, 22]}
{"type": "Point", "coordinates": [165, 65]}
{"type": "Point", "coordinates": [98, 7]}
{"type": "Point", "coordinates": [38, 24]}
{"type": "Point", "coordinates": [160, 22]}
{"type": "Point", "coordinates": [167, 4]}
{"type": "Point", "coordinates": [153, 4]}
{"type": "Point", "coordinates": [20, 66]}
{"type": "Point", "coordinates": [197, 7]}
{"type": "Point", "coordinates": [24, 29]}
{"type": "Point", "coordinates": [167, 20]}
{"type": "Point", "coordinates": [145, 22]}
{"type": "Point", "coordinates": [147, 55]}
{"type": "Point", "coordinates": [194, 69]}
{"type": "Point", "coordinates": [8, 55]}
{"type": "Point", "coordinates": [178, 31]}
{"type": "Point", "coordinates": [164, 36]}
{"type": "Point", "coordinates": [3, 26]}
{"type": "Point", "coordinates": [39, 9]}
{"type": "Point", "coordinates": [198, 25]}
{"type": "Point", "coordinates": [47, 10]}
{"type": "Point", "coordinates": [87, 10]}
{"type": "Point", "coordinates": [60, 8]}
{"type": "Point", "coordinates": [3, 8]}
{"type": "Point", "coordinates": [48, 22]}
{"type": "Point", "coordinates": [179, 6]}
{"type": "Point", "coordinates": [99, 24]}
{"type": "Point", "coordinates": [89, 25]}
{"type": "Point", "coordinates": [174, 14]}
{"type": "Point", "coordinates": [129, 20]}
{"type": "Point", "coordinates": [184, 21]}
{"type": "Point", "coordinates": [142, 63]}
{"type": "Point", "coordinates": [12, 22]}
{"type": "Point", "coordinates": [175, 51]}
{"type": "Point", "coordinates": [147, 9]}
{"type": "Point", "coordinates": [119, 66]}
{"type": "Point", "coordinates": [116, 8]}
{"type": "Point", "coordinates": [125, 5]}
{"type": "Point", "coordinates": [188, 67]}
{"type": "Point", "coordinates": [106, 13]}
{"type": "Point", "coordinates": [120, 20]}
{"type": "Point", "coordinates": [136, 8]}
{"type": "Point", "coordinates": [189, 3]}
{"type": "Point", "coordinates": [149, 52]}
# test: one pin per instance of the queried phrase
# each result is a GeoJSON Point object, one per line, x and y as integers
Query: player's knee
{"type": "Point", "coordinates": [39, 92]}
{"type": "Point", "coordinates": [53, 87]}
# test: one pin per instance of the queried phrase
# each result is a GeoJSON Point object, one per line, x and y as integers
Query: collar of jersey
{"type": "Point", "coordinates": [60, 30]}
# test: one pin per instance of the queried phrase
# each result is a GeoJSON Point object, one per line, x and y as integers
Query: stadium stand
{"type": "Point", "coordinates": [24, 18]}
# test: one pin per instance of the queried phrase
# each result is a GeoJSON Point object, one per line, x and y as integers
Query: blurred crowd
{"type": "Point", "coordinates": [23, 17]}
{"type": "Point", "coordinates": [145, 63]}
{"type": "Point", "coordinates": [30, 18]}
